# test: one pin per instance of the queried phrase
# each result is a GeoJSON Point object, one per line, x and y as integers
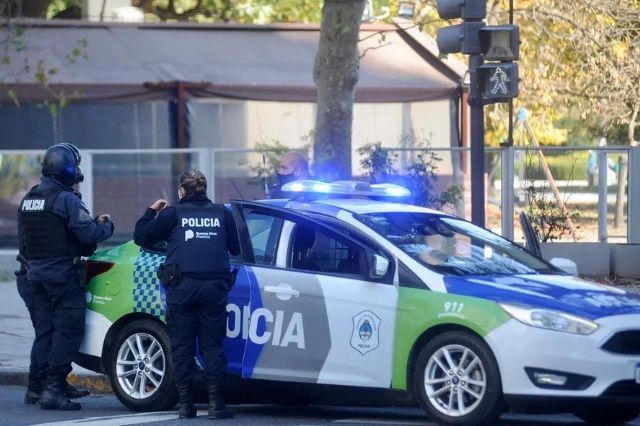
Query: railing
{"type": "Point", "coordinates": [125, 182]}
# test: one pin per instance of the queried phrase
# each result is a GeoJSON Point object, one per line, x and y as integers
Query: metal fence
{"type": "Point", "coordinates": [125, 182]}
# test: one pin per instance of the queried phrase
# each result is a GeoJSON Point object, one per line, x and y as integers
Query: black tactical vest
{"type": "Point", "coordinates": [198, 241]}
{"type": "Point", "coordinates": [44, 234]}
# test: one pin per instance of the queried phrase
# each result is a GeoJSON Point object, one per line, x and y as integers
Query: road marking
{"type": "Point", "coordinates": [374, 421]}
{"type": "Point", "coordinates": [127, 419]}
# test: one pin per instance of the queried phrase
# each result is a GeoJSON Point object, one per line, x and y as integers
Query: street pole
{"type": "Point", "coordinates": [477, 143]}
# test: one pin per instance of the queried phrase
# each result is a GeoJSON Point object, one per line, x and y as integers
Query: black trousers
{"type": "Point", "coordinates": [198, 309]}
{"type": "Point", "coordinates": [26, 292]}
{"type": "Point", "coordinates": [60, 309]}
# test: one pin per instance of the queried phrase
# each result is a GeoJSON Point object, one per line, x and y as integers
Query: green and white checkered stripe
{"type": "Point", "coordinates": [147, 295]}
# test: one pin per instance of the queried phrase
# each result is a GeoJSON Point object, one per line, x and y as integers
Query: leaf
{"type": "Point", "coordinates": [14, 97]}
{"type": "Point", "coordinates": [53, 109]}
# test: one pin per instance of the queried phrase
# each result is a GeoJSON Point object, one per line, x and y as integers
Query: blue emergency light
{"type": "Point", "coordinates": [346, 187]}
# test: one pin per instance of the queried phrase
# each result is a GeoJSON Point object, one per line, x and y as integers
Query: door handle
{"type": "Point", "coordinates": [282, 291]}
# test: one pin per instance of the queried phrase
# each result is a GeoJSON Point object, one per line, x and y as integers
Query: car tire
{"type": "Point", "coordinates": [613, 415]}
{"type": "Point", "coordinates": [445, 391]}
{"type": "Point", "coordinates": [143, 382]}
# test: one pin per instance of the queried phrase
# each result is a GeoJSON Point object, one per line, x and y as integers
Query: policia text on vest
{"type": "Point", "coordinates": [200, 235]}
{"type": "Point", "coordinates": [54, 230]}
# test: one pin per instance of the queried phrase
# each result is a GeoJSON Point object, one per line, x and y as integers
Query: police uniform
{"type": "Point", "coordinates": [55, 229]}
{"type": "Point", "coordinates": [199, 235]}
{"type": "Point", "coordinates": [37, 372]}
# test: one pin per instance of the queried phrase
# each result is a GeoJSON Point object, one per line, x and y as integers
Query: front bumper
{"type": "Point", "coordinates": [516, 346]}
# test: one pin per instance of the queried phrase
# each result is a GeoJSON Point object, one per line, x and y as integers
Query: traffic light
{"type": "Point", "coordinates": [464, 37]}
{"type": "Point", "coordinates": [498, 81]}
{"type": "Point", "coordinates": [500, 42]}
{"type": "Point", "coordinates": [465, 9]}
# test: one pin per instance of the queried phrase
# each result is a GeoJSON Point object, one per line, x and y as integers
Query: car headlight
{"type": "Point", "coordinates": [550, 320]}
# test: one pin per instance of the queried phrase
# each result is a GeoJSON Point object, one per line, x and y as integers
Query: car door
{"type": "Point", "coordinates": [314, 316]}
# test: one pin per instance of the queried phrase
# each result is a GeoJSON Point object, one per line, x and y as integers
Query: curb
{"type": "Point", "coordinates": [98, 384]}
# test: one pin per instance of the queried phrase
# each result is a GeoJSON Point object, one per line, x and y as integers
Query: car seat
{"type": "Point", "coordinates": [302, 250]}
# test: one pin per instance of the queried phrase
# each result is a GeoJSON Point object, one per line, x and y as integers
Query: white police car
{"type": "Point", "coordinates": [366, 295]}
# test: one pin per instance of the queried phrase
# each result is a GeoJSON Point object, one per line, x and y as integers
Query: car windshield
{"type": "Point", "coordinates": [453, 246]}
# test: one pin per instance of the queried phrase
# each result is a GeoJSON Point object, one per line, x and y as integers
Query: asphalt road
{"type": "Point", "coordinates": [105, 410]}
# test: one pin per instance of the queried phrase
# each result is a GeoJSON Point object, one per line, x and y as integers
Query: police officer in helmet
{"type": "Point", "coordinates": [36, 371]}
{"type": "Point", "coordinates": [54, 230]}
{"type": "Point", "coordinates": [199, 235]}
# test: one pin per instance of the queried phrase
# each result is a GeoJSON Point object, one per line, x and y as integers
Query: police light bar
{"type": "Point", "coordinates": [346, 187]}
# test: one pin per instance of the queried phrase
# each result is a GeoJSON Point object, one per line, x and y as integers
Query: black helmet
{"type": "Point", "coordinates": [63, 162]}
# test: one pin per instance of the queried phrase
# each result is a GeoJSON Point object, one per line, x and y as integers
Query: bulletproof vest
{"type": "Point", "coordinates": [197, 243]}
{"type": "Point", "coordinates": [45, 234]}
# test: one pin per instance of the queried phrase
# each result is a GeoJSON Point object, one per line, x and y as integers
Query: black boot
{"type": "Point", "coordinates": [34, 389]}
{"type": "Point", "coordinates": [186, 410]}
{"type": "Point", "coordinates": [72, 392]}
{"type": "Point", "coordinates": [217, 407]}
{"type": "Point", "coordinates": [53, 397]}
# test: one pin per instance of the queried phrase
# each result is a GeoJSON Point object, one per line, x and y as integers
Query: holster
{"type": "Point", "coordinates": [232, 278]}
{"type": "Point", "coordinates": [81, 266]}
{"type": "Point", "coordinates": [23, 265]}
{"type": "Point", "coordinates": [169, 275]}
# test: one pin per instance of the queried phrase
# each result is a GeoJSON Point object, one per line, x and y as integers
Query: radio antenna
{"type": "Point", "coordinates": [237, 190]}
{"type": "Point", "coordinates": [265, 177]}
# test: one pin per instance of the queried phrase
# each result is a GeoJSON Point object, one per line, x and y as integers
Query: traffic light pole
{"type": "Point", "coordinates": [477, 143]}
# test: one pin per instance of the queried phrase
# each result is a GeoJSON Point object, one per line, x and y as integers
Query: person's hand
{"type": "Point", "coordinates": [159, 204]}
{"type": "Point", "coordinates": [103, 218]}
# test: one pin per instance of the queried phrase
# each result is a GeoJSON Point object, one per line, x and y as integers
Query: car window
{"type": "Point", "coordinates": [453, 246]}
{"type": "Point", "coordinates": [263, 232]}
{"type": "Point", "coordinates": [313, 250]}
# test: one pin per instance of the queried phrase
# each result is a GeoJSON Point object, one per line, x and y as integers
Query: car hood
{"type": "Point", "coordinates": [558, 292]}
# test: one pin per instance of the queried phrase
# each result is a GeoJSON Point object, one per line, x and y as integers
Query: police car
{"type": "Point", "coordinates": [351, 290]}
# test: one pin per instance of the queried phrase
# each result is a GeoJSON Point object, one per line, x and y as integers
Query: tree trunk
{"type": "Point", "coordinates": [35, 8]}
{"type": "Point", "coordinates": [336, 74]}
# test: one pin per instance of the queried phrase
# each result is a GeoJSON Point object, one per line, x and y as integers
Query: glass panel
{"type": "Point", "coordinates": [617, 181]}
{"type": "Point", "coordinates": [238, 175]}
{"type": "Point", "coordinates": [493, 189]}
{"type": "Point", "coordinates": [568, 173]}
{"type": "Point", "coordinates": [315, 251]}
{"type": "Point", "coordinates": [126, 184]}
{"type": "Point", "coordinates": [104, 125]}
{"type": "Point", "coordinates": [263, 231]}
{"type": "Point", "coordinates": [18, 173]}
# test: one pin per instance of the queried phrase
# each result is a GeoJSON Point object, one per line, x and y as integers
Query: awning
{"type": "Point", "coordinates": [274, 63]}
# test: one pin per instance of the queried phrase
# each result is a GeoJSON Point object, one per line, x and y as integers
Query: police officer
{"type": "Point", "coordinates": [55, 229]}
{"type": "Point", "coordinates": [199, 235]}
{"type": "Point", "coordinates": [293, 166]}
{"type": "Point", "coordinates": [36, 379]}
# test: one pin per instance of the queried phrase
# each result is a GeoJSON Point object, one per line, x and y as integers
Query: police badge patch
{"type": "Point", "coordinates": [366, 327]}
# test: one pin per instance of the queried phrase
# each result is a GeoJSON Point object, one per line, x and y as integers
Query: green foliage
{"type": "Point", "coordinates": [57, 6]}
{"type": "Point", "coordinates": [381, 165]}
{"type": "Point", "coordinates": [14, 171]}
{"type": "Point", "coordinates": [14, 46]}
{"type": "Point", "coordinates": [547, 219]}
{"type": "Point", "coordinates": [271, 154]}
{"type": "Point", "coordinates": [572, 166]}
{"type": "Point", "coordinates": [244, 11]}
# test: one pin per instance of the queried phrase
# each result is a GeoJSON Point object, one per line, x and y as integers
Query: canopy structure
{"type": "Point", "coordinates": [122, 62]}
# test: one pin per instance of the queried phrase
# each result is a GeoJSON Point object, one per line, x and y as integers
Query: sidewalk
{"type": "Point", "coordinates": [16, 337]}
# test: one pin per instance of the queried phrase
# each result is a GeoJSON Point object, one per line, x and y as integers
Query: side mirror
{"type": "Point", "coordinates": [567, 265]}
{"type": "Point", "coordinates": [379, 267]}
